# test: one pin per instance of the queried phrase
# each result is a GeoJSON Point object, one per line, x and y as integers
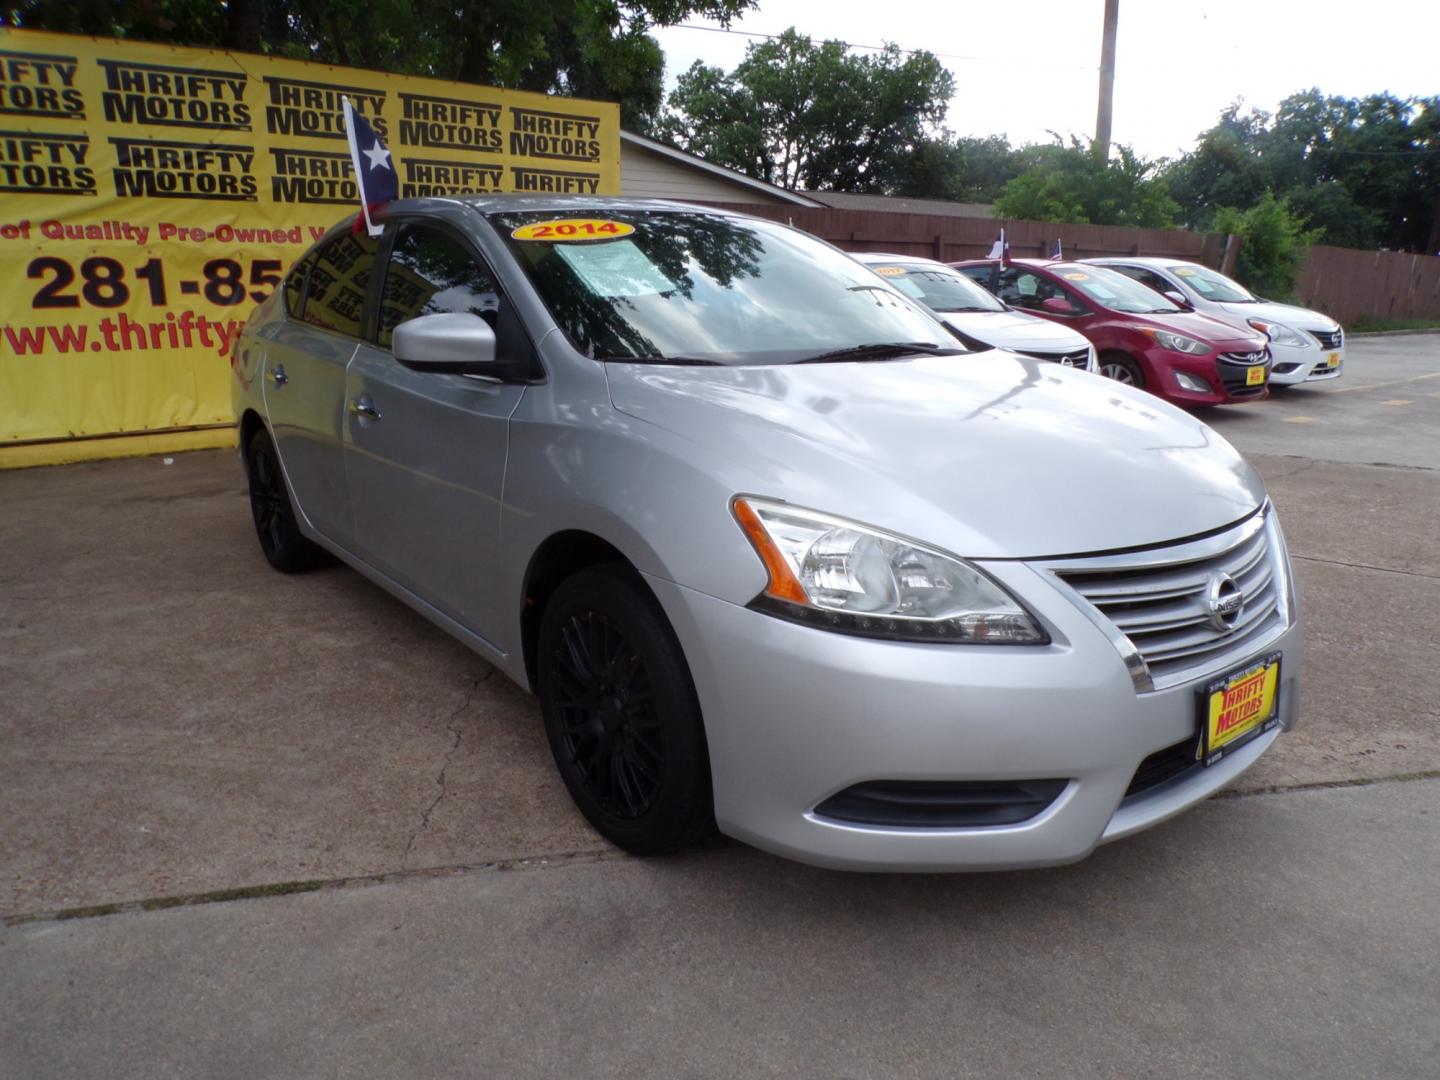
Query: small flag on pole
{"type": "Point", "coordinates": [374, 168]}
{"type": "Point", "coordinates": [999, 248]}
{"type": "Point", "coordinates": [1055, 252]}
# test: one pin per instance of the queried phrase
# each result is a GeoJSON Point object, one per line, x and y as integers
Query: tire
{"type": "Point", "coordinates": [621, 714]}
{"type": "Point", "coordinates": [285, 547]}
{"type": "Point", "coordinates": [1122, 369]}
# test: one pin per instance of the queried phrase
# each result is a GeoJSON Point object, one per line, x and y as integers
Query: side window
{"type": "Point", "coordinates": [338, 283]}
{"type": "Point", "coordinates": [432, 273]}
{"type": "Point", "coordinates": [295, 285]}
{"type": "Point", "coordinates": [1145, 277]}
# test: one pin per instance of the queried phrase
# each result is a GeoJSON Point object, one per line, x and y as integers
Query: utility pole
{"type": "Point", "coordinates": [1107, 81]}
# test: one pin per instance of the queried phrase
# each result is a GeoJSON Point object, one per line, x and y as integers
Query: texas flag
{"type": "Point", "coordinates": [374, 168]}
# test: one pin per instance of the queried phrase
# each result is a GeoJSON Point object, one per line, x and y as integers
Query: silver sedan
{"type": "Point", "coordinates": [776, 554]}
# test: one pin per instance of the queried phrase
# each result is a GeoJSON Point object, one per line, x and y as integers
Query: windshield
{"type": "Point", "coordinates": [1213, 285]}
{"type": "Point", "coordinates": [937, 287]}
{"type": "Point", "coordinates": [683, 286]}
{"type": "Point", "coordinates": [1115, 291]}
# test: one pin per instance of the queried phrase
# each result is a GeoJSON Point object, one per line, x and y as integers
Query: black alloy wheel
{"type": "Point", "coordinates": [286, 548]}
{"type": "Point", "coordinates": [621, 714]}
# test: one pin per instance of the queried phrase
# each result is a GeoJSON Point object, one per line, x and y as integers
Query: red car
{"type": "Point", "coordinates": [1141, 337]}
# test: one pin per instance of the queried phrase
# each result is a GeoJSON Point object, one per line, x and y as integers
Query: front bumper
{"type": "Point", "coordinates": [794, 715]}
{"type": "Point", "coordinates": [1224, 382]}
{"type": "Point", "coordinates": [1294, 365]}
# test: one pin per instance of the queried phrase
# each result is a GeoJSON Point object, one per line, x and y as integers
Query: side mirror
{"type": "Point", "coordinates": [454, 342]}
{"type": "Point", "coordinates": [1057, 305]}
{"type": "Point", "coordinates": [1178, 299]}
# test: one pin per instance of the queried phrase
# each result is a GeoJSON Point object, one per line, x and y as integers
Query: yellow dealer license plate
{"type": "Point", "coordinates": [1240, 707]}
{"type": "Point", "coordinates": [1254, 376]}
{"type": "Point", "coordinates": [1333, 360]}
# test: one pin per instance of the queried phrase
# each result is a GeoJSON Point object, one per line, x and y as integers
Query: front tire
{"type": "Point", "coordinates": [286, 548]}
{"type": "Point", "coordinates": [621, 714]}
{"type": "Point", "coordinates": [1123, 369]}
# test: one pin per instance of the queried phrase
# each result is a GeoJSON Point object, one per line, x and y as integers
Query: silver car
{"type": "Point", "coordinates": [1307, 346]}
{"type": "Point", "coordinates": [775, 554]}
{"type": "Point", "coordinates": [976, 315]}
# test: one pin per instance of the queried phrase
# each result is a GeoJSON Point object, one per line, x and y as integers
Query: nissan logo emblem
{"type": "Point", "coordinates": [1224, 601]}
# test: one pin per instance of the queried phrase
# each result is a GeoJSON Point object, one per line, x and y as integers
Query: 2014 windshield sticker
{"type": "Point", "coordinates": [1077, 277]}
{"type": "Point", "coordinates": [1184, 271]}
{"type": "Point", "coordinates": [569, 230]}
{"type": "Point", "coordinates": [889, 271]}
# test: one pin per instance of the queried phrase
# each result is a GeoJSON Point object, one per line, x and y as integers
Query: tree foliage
{"type": "Point", "coordinates": [1275, 241]}
{"type": "Point", "coordinates": [1070, 184]}
{"type": "Point", "coordinates": [591, 48]}
{"type": "Point", "coordinates": [804, 115]}
{"type": "Point", "coordinates": [1364, 172]}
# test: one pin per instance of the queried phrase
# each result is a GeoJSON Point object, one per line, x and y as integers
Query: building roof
{"type": "Point", "coordinates": [690, 161]}
{"type": "Point", "coordinates": [899, 204]}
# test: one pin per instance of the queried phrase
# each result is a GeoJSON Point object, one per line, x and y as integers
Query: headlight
{"type": "Point", "coordinates": [1175, 342]}
{"type": "Point", "coordinates": [839, 575]}
{"type": "Point", "coordinates": [1279, 333]}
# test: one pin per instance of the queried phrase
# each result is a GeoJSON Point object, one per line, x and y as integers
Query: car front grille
{"type": "Point", "coordinates": [1164, 765]}
{"type": "Point", "coordinates": [940, 804]}
{"type": "Point", "coordinates": [1156, 604]}
{"type": "Point", "coordinates": [1232, 367]}
{"type": "Point", "coordinates": [1328, 340]}
{"type": "Point", "coordinates": [1078, 358]}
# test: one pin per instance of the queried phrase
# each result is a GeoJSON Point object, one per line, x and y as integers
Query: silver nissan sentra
{"type": "Point", "coordinates": [776, 553]}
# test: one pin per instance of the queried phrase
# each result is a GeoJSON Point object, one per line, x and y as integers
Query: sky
{"type": "Point", "coordinates": [1025, 70]}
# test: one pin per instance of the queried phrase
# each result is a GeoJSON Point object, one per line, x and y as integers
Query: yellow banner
{"type": "Point", "coordinates": [152, 195]}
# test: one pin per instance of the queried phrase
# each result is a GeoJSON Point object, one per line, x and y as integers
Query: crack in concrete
{"type": "Point", "coordinates": [1364, 566]}
{"type": "Point", "coordinates": [540, 862]}
{"type": "Point", "coordinates": [456, 733]}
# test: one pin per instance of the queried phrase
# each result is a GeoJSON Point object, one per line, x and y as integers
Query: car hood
{"type": "Point", "coordinates": [1289, 314]}
{"type": "Point", "coordinates": [989, 455]}
{"type": "Point", "coordinates": [1214, 331]}
{"type": "Point", "coordinates": [1014, 330]}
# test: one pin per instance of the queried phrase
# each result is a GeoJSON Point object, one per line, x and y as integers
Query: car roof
{"type": "Point", "coordinates": [496, 203]}
{"type": "Point", "coordinates": [881, 257]}
{"type": "Point", "coordinates": [1141, 260]}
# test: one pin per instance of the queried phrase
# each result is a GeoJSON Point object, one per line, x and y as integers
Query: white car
{"type": "Point", "coordinates": [1306, 345]}
{"type": "Point", "coordinates": [976, 315]}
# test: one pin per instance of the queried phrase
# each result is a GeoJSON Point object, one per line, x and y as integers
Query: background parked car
{"type": "Point", "coordinates": [1142, 338]}
{"type": "Point", "coordinates": [1305, 344]}
{"type": "Point", "coordinates": [977, 315]}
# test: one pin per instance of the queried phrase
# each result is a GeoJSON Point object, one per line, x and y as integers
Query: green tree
{"type": "Point", "coordinates": [802, 115]}
{"type": "Point", "coordinates": [594, 48]}
{"type": "Point", "coordinates": [1069, 184]}
{"type": "Point", "coordinates": [1364, 172]}
{"type": "Point", "coordinates": [1275, 240]}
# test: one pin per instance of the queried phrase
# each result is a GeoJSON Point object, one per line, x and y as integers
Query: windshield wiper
{"type": "Point", "coordinates": [954, 310]}
{"type": "Point", "coordinates": [880, 350]}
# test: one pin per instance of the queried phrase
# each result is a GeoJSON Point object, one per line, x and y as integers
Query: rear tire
{"type": "Point", "coordinates": [621, 714]}
{"type": "Point", "coordinates": [1123, 369]}
{"type": "Point", "coordinates": [285, 546]}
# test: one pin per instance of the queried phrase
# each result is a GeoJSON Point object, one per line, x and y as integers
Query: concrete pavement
{"type": "Point", "coordinates": [1264, 936]}
{"type": "Point", "coordinates": [178, 719]}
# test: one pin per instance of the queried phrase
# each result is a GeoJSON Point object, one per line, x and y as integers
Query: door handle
{"type": "Point", "coordinates": [278, 375]}
{"type": "Point", "coordinates": [363, 406]}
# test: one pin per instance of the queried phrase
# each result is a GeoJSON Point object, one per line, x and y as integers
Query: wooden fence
{"type": "Point", "coordinates": [950, 239]}
{"type": "Point", "coordinates": [1345, 284]}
